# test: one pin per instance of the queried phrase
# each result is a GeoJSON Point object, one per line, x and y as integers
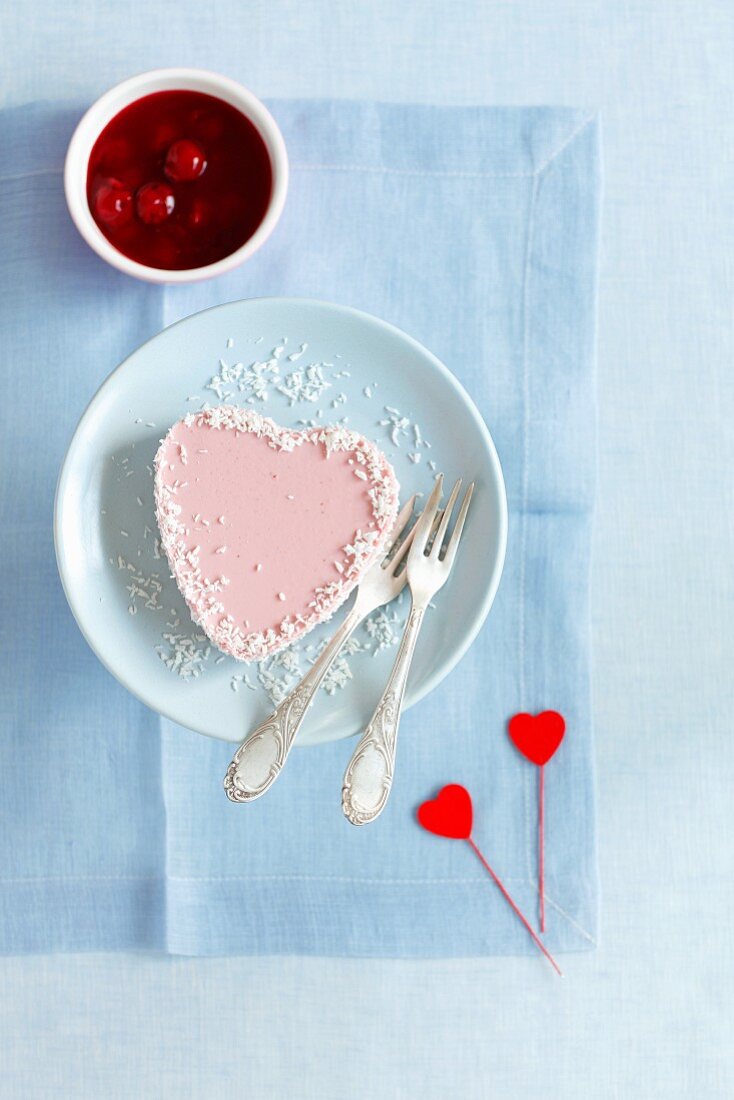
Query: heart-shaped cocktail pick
{"type": "Point", "coordinates": [537, 737]}
{"type": "Point", "coordinates": [450, 814]}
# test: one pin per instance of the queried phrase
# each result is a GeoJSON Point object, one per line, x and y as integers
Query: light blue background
{"type": "Point", "coordinates": [648, 1014]}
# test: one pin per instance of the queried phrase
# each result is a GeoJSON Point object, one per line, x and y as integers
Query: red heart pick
{"type": "Point", "coordinates": [537, 736]}
{"type": "Point", "coordinates": [449, 813]}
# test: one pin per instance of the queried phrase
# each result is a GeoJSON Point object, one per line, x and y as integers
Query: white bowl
{"type": "Point", "coordinates": [121, 96]}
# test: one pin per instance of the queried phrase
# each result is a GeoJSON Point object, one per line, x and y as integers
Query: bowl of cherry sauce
{"type": "Point", "coordinates": [176, 175]}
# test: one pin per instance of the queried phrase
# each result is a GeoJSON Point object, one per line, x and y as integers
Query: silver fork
{"type": "Point", "coordinates": [369, 775]}
{"type": "Point", "coordinates": [260, 758]}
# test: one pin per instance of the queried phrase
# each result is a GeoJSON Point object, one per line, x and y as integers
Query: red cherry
{"type": "Point", "coordinates": [164, 253]}
{"type": "Point", "coordinates": [133, 175]}
{"type": "Point", "coordinates": [207, 125]}
{"type": "Point", "coordinates": [154, 203]}
{"type": "Point", "coordinates": [199, 214]}
{"type": "Point", "coordinates": [163, 134]}
{"type": "Point", "coordinates": [113, 203]}
{"type": "Point", "coordinates": [115, 155]}
{"type": "Point", "coordinates": [185, 161]}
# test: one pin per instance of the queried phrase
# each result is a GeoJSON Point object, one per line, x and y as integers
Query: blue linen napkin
{"type": "Point", "coordinates": [472, 229]}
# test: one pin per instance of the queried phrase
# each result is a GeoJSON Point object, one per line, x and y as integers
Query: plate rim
{"type": "Point", "coordinates": [443, 668]}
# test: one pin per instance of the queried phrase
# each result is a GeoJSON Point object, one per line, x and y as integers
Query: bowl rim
{"type": "Point", "coordinates": [444, 667]}
{"type": "Point", "coordinates": [126, 92]}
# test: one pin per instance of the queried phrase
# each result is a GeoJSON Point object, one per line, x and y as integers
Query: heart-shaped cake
{"type": "Point", "coordinates": [267, 530]}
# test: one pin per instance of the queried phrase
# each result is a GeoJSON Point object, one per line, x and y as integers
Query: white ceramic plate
{"type": "Point", "coordinates": [121, 593]}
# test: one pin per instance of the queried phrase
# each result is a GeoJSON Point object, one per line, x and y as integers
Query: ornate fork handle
{"type": "Point", "coordinates": [369, 775]}
{"type": "Point", "coordinates": [260, 758]}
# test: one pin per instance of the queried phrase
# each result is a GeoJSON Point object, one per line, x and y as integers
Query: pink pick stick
{"type": "Point", "coordinates": [450, 814]}
{"type": "Point", "coordinates": [537, 737]}
{"type": "Point", "coordinates": [541, 846]}
{"type": "Point", "coordinates": [506, 895]}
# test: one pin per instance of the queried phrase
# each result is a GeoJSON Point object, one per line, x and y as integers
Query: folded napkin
{"type": "Point", "coordinates": [475, 230]}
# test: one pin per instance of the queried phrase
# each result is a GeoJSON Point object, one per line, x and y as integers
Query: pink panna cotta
{"type": "Point", "coordinates": [267, 530]}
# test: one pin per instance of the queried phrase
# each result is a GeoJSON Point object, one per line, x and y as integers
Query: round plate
{"type": "Point", "coordinates": [119, 587]}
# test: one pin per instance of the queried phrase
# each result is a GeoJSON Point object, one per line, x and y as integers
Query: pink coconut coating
{"type": "Point", "coordinates": [268, 530]}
